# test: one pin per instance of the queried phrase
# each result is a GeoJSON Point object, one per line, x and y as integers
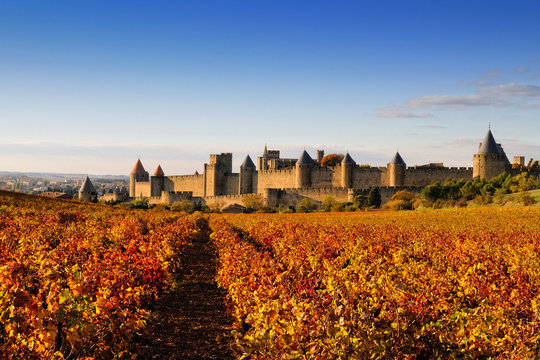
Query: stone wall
{"type": "Point", "coordinates": [364, 177]}
{"type": "Point", "coordinates": [193, 183]}
{"type": "Point", "coordinates": [230, 186]}
{"type": "Point", "coordinates": [424, 176]}
{"type": "Point", "coordinates": [276, 179]}
{"type": "Point", "coordinates": [322, 176]}
{"type": "Point", "coordinates": [143, 189]}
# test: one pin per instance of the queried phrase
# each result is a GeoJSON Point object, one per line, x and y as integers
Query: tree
{"type": "Point", "coordinates": [332, 159]}
{"type": "Point", "coordinates": [374, 198]}
{"type": "Point", "coordinates": [305, 205]}
{"type": "Point", "coordinates": [433, 192]}
{"type": "Point", "coordinates": [253, 202]}
{"type": "Point", "coordinates": [327, 202]}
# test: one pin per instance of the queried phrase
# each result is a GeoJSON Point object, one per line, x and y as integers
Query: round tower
{"type": "Point", "coordinates": [137, 174]}
{"type": "Point", "coordinates": [490, 160]}
{"type": "Point", "coordinates": [396, 171]}
{"type": "Point", "coordinates": [347, 170]}
{"type": "Point", "coordinates": [245, 181]}
{"type": "Point", "coordinates": [303, 170]}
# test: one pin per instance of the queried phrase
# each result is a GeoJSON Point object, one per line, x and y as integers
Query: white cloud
{"type": "Point", "coordinates": [434, 127]}
{"type": "Point", "coordinates": [398, 114]}
{"type": "Point", "coordinates": [521, 69]}
{"type": "Point", "coordinates": [498, 95]}
{"type": "Point", "coordinates": [492, 74]}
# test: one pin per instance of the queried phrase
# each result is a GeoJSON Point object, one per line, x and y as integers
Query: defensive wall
{"type": "Point", "coordinates": [424, 176]}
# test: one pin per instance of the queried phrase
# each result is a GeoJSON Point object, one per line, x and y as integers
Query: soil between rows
{"type": "Point", "coordinates": [192, 321]}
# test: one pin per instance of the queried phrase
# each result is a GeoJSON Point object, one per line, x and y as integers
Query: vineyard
{"type": "Point", "coordinates": [437, 284]}
{"type": "Point", "coordinates": [82, 280]}
{"type": "Point", "coordinates": [78, 280]}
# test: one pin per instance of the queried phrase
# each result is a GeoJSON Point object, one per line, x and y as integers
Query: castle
{"type": "Point", "coordinates": [284, 182]}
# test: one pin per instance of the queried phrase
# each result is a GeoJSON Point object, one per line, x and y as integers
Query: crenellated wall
{"type": "Point", "coordinates": [193, 183]}
{"type": "Point", "coordinates": [322, 176]}
{"type": "Point", "coordinates": [364, 177]}
{"type": "Point", "coordinates": [424, 176]}
{"type": "Point", "coordinates": [275, 179]}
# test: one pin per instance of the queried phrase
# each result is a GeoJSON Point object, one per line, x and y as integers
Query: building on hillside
{"type": "Point", "coordinates": [283, 182]}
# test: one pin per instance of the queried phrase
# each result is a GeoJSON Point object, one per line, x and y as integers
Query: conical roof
{"type": "Point", "coordinates": [348, 159]}
{"type": "Point", "coordinates": [305, 159]}
{"type": "Point", "coordinates": [138, 169]}
{"type": "Point", "coordinates": [489, 145]}
{"type": "Point", "coordinates": [87, 186]}
{"type": "Point", "coordinates": [159, 171]}
{"type": "Point", "coordinates": [397, 159]}
{"type": "Point", "coordinates": [248, 163]}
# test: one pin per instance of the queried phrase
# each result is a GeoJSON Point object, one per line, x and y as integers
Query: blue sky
{"type": "Point", "coordinates": [90, 86]}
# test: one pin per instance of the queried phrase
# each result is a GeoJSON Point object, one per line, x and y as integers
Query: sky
{"type": "Point", "coordinates": [90, 86]}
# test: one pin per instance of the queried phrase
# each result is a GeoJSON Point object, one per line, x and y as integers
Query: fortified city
{"type": "Point", "coordinates": [284, 182]}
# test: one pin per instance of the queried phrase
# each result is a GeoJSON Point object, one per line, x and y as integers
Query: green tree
{"type": "Point", "coordinates": [374, 198]}
{"type": "Point", "coordinates": [433, 192]}
{"type": "Point", "coordinates": [327, 202]}
{"type": "Point", "coordinates": [305, 206]}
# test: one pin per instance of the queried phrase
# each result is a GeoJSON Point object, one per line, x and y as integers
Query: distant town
{"type": "Point", "coordinates": [61, 185]}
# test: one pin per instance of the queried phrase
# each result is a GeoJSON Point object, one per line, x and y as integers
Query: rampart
{"type": "Point", "coordinates": [424, 176]}
{"type": "Point", "coordinates": [193, 183]}
{"type": "Point", "coordinates": [276, 179]}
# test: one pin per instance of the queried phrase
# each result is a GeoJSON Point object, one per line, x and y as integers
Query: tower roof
{"type": "Point", "coordinates": [159, 171]}
{"type": "Point", "coordinates": [397, 159]}
{"type": "Point", "coordinates": [138, 169]}
{"type": "Point", "coordinates": [87, 186]}
{"type": "Point", "coordinates": [248, 163]}
{"type": "Point", "coordinates": [348, 159]}
{"type": "Point", "coordinates": [489, 145]}
{"type": "Point", "coordinates": [305, 159]}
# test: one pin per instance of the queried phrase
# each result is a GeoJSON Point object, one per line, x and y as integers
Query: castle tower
{"type": "Point", "coordinates": [137, 174]}
{"type": "Point", "coordinates": [216, 171]}
{"type": "Point", "coordinates": [396, 171]}
{"type": "Point", "coordinates": [303, 170]}
{"type": "Point", "coordinates": [158, 182]}
{"type": "Point", "coordinates": [245, 181]}
{"type": "Point", "coordinates": [87, 192]}
{"type": "Point", "coordinates": [320, 155]}
{"type": "Point", "coordinates": [347, 170]}
{"type": "Point", "coordinates": [490, 160]}
{"type": "Point", "coordinates": [263, 161]}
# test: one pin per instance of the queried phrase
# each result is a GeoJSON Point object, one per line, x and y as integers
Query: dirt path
{"type": "Point", "coordinates": [191, 322]}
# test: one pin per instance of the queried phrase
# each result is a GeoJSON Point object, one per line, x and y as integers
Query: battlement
{"type": "Point", "coordinates": [280, 171]}
{"type": "Point", "coordinates": [193, 176]}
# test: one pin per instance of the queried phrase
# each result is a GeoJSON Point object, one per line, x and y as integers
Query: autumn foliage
{"type": "Point", "coordinates": [77, 280]}
{"type": "Point", "coordinates": [460, 283]}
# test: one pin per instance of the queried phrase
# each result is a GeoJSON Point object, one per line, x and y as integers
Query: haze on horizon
{"type": "Point", "coordinates": [90, 86]}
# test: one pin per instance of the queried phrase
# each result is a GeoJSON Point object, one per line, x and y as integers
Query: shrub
{"type": "Point", "coordinates": [253, 202]}
{"type": "Point", "coordinates": [305, 205]}
{"type": "Point", "coordinates": [337, 207]}
{"type": "Point", "coordinates": [525, 198]}
{"type": "Point", "coordinates": [139, 204]}
{"type": "Point", "coordinates": [327, 202]}
{"type": "Point", "coordinates": [184, 205]}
